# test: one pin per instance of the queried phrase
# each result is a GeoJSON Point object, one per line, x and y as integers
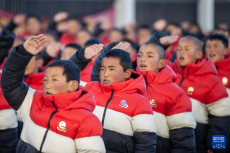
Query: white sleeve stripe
{"type": "Point", "coordinates": [90, 144]}
{"type": "Point", "coordinates": [181, 120]}
{"type": "Point", "coordinates": [199, 111]}
{"type": "Point", "coordinates": [24, 109]}
{"type": "Point", "coordinates": [143, 123]}
{"type": "Point", "coordinates": [220, 108]}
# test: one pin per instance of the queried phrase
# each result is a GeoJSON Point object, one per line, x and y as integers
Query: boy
{"type": "Point", "coordinates": [125, 114]}
{"type": "Point", "coordinates": [48, 125]}
{"type": "Point", "coordinates": [8, 118]}
{"type": "Point", "coordinates": [196, 75]}
{"type": "Point", "coordinates": [171, 106]}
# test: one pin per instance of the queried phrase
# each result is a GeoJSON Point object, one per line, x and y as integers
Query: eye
{"type": "Point", "coordinates": [44, 79]}
{"type": "Point", "coordinates": [150, 56]}
{"type": "Point", "coordinates": [112, 69]}
{"type": "Point", "coordinates": [55, 80]}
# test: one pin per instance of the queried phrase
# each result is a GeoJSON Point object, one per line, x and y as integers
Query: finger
{"type": "Point", "coordinates": [32, 38]}
{"type": "Point", "coordinates": [39, 49]}
{"type": "Point", "coordinates": [38, 37]}
{"type": "Point", "coordinates": [41, 41]}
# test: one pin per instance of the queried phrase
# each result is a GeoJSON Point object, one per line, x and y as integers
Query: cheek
{"type": "Point", "coordinates": [58, 86]}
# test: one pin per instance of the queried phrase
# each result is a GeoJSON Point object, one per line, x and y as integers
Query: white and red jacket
{"type": "Point", "coordinates": [210, 102]}
{"type": "Point", "coordinates": [56, 123]}
{"type": "Point", "coordinates": [172, 112]}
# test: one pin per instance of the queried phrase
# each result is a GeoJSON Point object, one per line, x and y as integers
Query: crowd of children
{"type": "Point", "coordinates": [67, 88]}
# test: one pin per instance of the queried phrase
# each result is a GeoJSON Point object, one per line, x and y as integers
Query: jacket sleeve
{"type": "Point", "coordinates": [13, 87]}
{"type": "Point", "coordinates": [181, 125]}
{"type": "Point", "coordinates": [79, 59]}
{"type": "Point", "coordinates": [144, 128]}
{"type": "Point", "coordinates": [88, 137]}
{"type": "Point", "coordinates": [11, 26]}
{"type": "Point", "coordinates": [219, 115]}
{"type": "Point", "coordinates": [46, 58]}
{"type": "Point", "coordinates": [155, 38]}
{"type": "Point", "coordinates": [6, 42]}
{"type": "Point", "coordinates": [97, 64]}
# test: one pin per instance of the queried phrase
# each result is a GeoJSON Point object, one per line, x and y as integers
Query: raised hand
{"type": "Point", "coordinates": [33, 44]}
{"type": "Point", "coordinates": [60, 16]}
{"type": "Point", "coordinates": [19, 19]}
{"type": "Point", "coordinates": [92, 51]}
{"type": "Point", "coordinates": [167, 40]}
{"type": "Point", "coordinates": [53, 48]}
{"type": "Point", "coordinates": [122, 45]}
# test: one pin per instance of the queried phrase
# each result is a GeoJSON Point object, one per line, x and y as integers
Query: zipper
{"type": "Point", "coordinates": [181, 81]}
{"type": "Point", "coordinates": [106, 106]}
{"type": "Point", "coordinates": [146, 81]}
{"type": "Point", "coordinates": [51, 116]}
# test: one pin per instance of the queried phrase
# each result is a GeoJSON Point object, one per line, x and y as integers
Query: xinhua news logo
{"type": "Point", "coordinates": [218, 141]}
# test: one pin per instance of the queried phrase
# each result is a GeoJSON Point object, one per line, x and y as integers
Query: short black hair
{"type": "Point", "coordinates": [123, 56]}
{"type": "Point", "coordinates": [73, 45]}
{"type": "Point", "coordinates": [132, 44]}
{"type": "Point", "coordinates": [71, 71]}
{"type": "Point", "coordinates": [219, 37]}
{"type": "Point", "coordinates": [93, 41]}
{"type": "Point", "coordinates": [36, 15]}
{"type": "Point", "coordinates": [196, 41]}
{"type": "Point", "coordinates": [160, 49]}
{"type": "Point", "coordinates": [53, 34]}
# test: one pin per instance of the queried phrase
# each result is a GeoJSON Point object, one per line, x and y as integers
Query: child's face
{"type": "Point", "coordinates": [187, 52]}
{"type": "Point", "coordinates": [82, 38]}
{"type": "Point", "coordinates": [112, 72]}
{"type": "Point", "coordinates": [55, 82]}
{"type": "Point", "coordinates": [33, 66]}
{"type": "Point", "coordinates": [115, 36]}
{"type": "Point", "coordinates": [148, 59]}
{"type": "Point", "coordinates": [67, 53]}
{"type": "Point", "coordinates": [33, 26]}
{"type": "Point", "coordinates": [215, 50]}
{"type": "Point", "coordinates": [73, 27]}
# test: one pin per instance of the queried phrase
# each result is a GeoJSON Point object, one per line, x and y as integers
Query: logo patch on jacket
{"type": "Point", "coordinates": [124, 104]}
{"type": "Point", "coordinates": [153, 103]}
{"type": "Point", "coordinates": [62, 126]}
{"type": "Point", "coordinates": [225, 80]}
{"type": "Point", "coordinates": [190, 90]}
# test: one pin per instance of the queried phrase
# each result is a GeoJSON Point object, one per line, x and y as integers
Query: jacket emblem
{"type": "Point", "coordinates": [62, 126]}
{"type": "Point", "coordinates": [124, 104]}
{"type": "Point", "coordinates": [153, 103]}
{"type": "Point", "coordinates": [225, 80]}
{"type": "Point", "coordinates": [190, 90]}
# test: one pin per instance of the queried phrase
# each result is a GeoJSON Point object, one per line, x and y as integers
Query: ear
{"type": "Point", "coordinates": [161, 64]}
{"type": "Point", "coordinates": [39, 62]}
{"type": "Point", "coordinates": [199, 54]}
{"type": "Point", "coordinates": [73, 86]}
{"type": "Point", "coordinates": [128, 73]}
{"type": "Point", "coordinates": [226, 51]}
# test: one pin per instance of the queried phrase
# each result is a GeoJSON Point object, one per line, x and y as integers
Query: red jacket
{"type": "Point", "coordinates": [66, 39]}
{"type": "Point", "coordinates": [223, 71]}
{"type": "Point", "coordinates": [171, 106]}
{"type": "Point", "coordinates": [86, 73]}
{"type": "Point", "coordinates": [35, 81]}
{"type": "Point", "coordinates": [210, 102]}
{"type": "Point", "coordinates": [68, 118]}
{"type": "Point", "coordinates": [125, 115]}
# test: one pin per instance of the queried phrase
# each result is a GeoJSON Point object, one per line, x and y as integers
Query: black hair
{"type": "Point", "coordinates": [134, 46]}
{"type": "Point", "coordinates": [196, 41]}
{"type": "Point", "coordinates": [93, 41]}
{"type": "Point", "coordinates": [71, 71]}
{"type": "Point", "coordinates": [123, 56]}
{"type": "Point", "coordinates": [36, 15]}
{"type": "Point", "coordinates": [143, 26]}
{"type": "Point", "coordinates": [160, 49]}
{"type": "Point", "coordinates": [219, 37]}
{"type": "Point", "coordinates": [73, 45]}
{"type": "Point", "coordinates": [53, 34]}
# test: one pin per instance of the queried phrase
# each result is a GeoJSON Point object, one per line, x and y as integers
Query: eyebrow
{"type": "Point", "coordinates": [150, 53]}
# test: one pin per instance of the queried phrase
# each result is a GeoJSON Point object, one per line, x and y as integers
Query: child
{"type": "Point", "coordinates": [197, 76]}
{"type": "Point", "coordinates": [69, 50]}
{"type": "Point", "coordinates": [48, 125]}
{"type": "Point", "coordinates": [171, 106]}
{"type": "Point", "coordinates": [8, 118]}
{"type": "Point", "coordinates": [125, 114]}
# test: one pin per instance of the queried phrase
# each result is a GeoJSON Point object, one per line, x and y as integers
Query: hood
{"type": "Point", "coordinates": [223, 64]}
{"type": "Point", "coordinates": [165, 75]}
{"type": "Point", "coordinates": [135, 84]}
{"type": "Point", "coordinates": [80, 99]}
{"type": "Point", "coordinates": [36, 78]}
{"type": "Point", "coordinates": [202, 66]}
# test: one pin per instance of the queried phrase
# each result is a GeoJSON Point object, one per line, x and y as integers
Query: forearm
{"type": "Point", "coordinates": [13, 87]}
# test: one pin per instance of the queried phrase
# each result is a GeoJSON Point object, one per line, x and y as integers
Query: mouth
{"type": "Point", "coordinates": [143, 67]}
{"type": "Point", "coordinates": [181, 58]}
{"type": "Point", "coordinates": [48, 94]}
{"type": "Point", "coordinates": [105, 81]}
{"type": "Point", "coordinates": [212, 55]}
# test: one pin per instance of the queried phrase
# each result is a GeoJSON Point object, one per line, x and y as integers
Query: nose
{"type": "Point", "coordinates": [143, 59]}
{"type": "Point", "coordinates": [47, 84]}
{"type": "Point", "coordinates": [106, 73]}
